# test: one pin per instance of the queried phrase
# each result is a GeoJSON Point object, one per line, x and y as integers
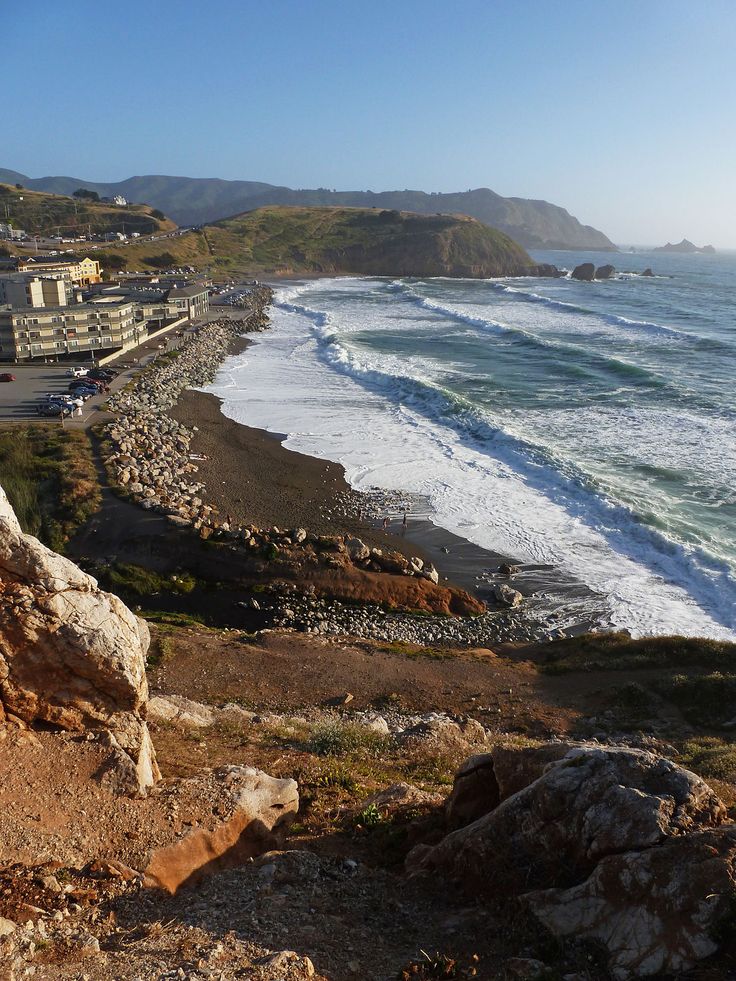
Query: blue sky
{"type": "Point", "coordinates": [623, 113]}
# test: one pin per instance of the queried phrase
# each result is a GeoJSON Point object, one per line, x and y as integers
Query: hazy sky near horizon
{"type": "Point", "coordinates": [623, 113]}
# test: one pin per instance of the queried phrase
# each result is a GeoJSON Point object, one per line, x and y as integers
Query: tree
{"type": "Point", "coordinates": [158, 214]}
{"type": "Point", "coordinates": [112, 261]}
{"type": "Point", "coordinates": [19, 187]}
{"type": "Point", "coordinates": [165, 260]}
{"type": "Point", "coordinates": [82, 192]}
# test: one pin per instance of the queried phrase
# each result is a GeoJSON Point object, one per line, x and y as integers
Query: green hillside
{"type": "Point", "coordinates": [282, 241]}
{"type": "Point", "coordinates": [368, 241]}
{"type": "Point", "coordinates": [40, 213]}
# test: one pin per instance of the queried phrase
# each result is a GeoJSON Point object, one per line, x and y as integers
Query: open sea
{"type": "Point", "coordinates": [590, 427]}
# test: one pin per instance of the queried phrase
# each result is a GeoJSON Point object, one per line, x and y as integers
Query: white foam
{"type": "Point", "coordinates": [339, 404]}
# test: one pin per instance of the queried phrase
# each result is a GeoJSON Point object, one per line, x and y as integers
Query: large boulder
{"type": "Point", "coordinates": [70, 654]}
{"type": "Point", "coordinates": [657, 910]}
{"type": "Point", "coordinates": [617, 845]}
{"type": "Point", "coordinates": [484, 780]}
{"type": "Point", "coordinates": [592, 803]}
{"type": "Point", "coordinates": [585, 271]}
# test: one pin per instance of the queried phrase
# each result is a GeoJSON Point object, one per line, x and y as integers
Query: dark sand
{"type": "Point", "coordinates": [254, 479]}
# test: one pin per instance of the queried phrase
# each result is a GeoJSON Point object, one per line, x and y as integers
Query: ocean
{"type": "Point", "coordinates": [586, 427]}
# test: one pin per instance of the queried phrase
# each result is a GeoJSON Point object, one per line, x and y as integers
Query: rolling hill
{"type": "Point", "coordinates": [46, 214]}
{"type": "Point", "coordinates": [195, 201]}
{"type": "Point", "coordinates": [292, 241]}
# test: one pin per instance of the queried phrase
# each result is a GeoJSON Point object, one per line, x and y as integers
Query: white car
{"type": "Point", "coordinates": [76, 372]}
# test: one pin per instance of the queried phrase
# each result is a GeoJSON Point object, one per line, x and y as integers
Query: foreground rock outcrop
{"type": "Point", "coordinates": [618, 845]}
{"type": "Point", "coordinates": [70, 654]}
{"type": "Point", "coordinates": [254, 810]}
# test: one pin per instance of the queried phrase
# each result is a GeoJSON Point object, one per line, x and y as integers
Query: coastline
{"type": "Point", "coordinates": [253, 478]}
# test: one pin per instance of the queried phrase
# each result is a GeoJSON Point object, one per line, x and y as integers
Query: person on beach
{"type": "Point", "coordinates": [386, 523]}
{"type": "Point", "coordinates": [404, 524]}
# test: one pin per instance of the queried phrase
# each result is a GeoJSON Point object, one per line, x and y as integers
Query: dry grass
{"type": "Point", "coordinates": [50, 479]}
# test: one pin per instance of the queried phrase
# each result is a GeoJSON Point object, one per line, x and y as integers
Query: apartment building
{"type": "Point", "coordinates": [52, 332]}
{"type": "Point", "coordinates": [34, 291]}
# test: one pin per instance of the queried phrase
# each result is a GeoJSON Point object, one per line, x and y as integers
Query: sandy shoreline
{"type": "Point", "coordinates": [253, 479]}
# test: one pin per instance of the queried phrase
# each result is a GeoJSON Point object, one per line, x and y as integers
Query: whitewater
{"type": "Point", "coordinates": [588, 427]}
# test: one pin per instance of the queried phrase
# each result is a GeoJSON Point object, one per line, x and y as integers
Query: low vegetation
{"type": "Point", "coordinates": [618, 652]}
{"type": "Point", "coordinates": [50, 479]}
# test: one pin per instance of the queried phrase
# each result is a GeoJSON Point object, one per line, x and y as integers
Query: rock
{"type": "Point", "coordinates": [257, 810]}
{"type": "Point", "coordinates": [546, 269]}
{"type": "Point", "coordinates": [376, 723]}
{"type": "Point", "coordinates": [647, 272]}
{"type": "Point", "coordinates": [605, 272]}
{"type": "Point", "coordinates": [474, 791]}
{"type": "Point", "coordinates": [444, 734]}
{"type": "Point", "coordinates": [176, 708]}
{"type": "Point", "coordinates": [357, 549]}
{"type": "Point", "coordinates": [506, 595]}
{"type": "Point", "coordinates": [591, 803]}
{"type": "Point", "coordinates": [429, 572]}
{"type": "Point", "coordinates": [506, 569]}
{"type": "Point", "coordinates": [7, 927]}
{"type": "Point", "coordinates": [484, 780]}
{"type": "Point", "coordinates": [656, 910]}
{"type": "Point", "coordinates": [526, 968]}
{"type": "Point", "coordinates": [70, 654]}
{"type": "Point", "coordinates": [585, 271]}
{"type": "Point", "coordinates": [400, 797]}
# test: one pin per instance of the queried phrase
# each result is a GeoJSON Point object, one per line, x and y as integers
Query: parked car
{"type": "Point", "coordinates": [86, 383]}
{"type": "Point", "coordinates": [7, 377]}
{"type": "Point", "coordinates": [77, 372]}
{"type": "Point", "coordinates": [50, 408]}
{"type": "Point", "coordinates": [106, 374]}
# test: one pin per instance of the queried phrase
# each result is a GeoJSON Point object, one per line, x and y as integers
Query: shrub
{"type": "Point", "coordinates": [337, 738]}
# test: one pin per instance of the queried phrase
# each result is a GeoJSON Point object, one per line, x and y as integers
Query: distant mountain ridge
{"type": "Point", "coordinates": [200, 200]}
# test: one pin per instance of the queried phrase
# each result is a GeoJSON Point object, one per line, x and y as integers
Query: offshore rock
{"type": "Point", "coordinates": [605, 272]}
{"type": "Point", "coordinates": [70, 654]}
{"type": "Point", "coordinates": [585, 271]}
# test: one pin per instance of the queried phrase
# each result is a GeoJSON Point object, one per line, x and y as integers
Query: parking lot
{"type": "Point", "coordinates": [19, 399]}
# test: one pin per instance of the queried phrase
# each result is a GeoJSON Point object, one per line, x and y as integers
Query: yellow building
{"type": "Point", "coordinates": [79, 272]}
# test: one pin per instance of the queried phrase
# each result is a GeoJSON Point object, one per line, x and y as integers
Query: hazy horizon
{"type": "Point", "coordinates": [615, 114]}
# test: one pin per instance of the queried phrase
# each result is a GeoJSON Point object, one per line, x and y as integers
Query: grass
{"type": "Point", "coordinates": [136, 581]}
{"type": "Point", "coordinates": [334, 737]}
{"type": "Point", "coordinates": [704, 700]}
{"type": "Point", "coordinates": [49, 476]}
{"type": "Point", "coordinates": [328, 239]}
{"type": "Point", "coordinates": [46, 214]}
{"type": "Point", "coordinates": [618, 652]}
{"type": "Point", "coordinates": [710, 757]}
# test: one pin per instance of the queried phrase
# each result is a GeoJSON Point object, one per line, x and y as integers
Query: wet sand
{"type": "Point", "coordinates": [254, 479]}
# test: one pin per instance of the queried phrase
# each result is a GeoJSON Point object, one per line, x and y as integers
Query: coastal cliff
{"type": "Point", "coordinates": [367, 241]}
